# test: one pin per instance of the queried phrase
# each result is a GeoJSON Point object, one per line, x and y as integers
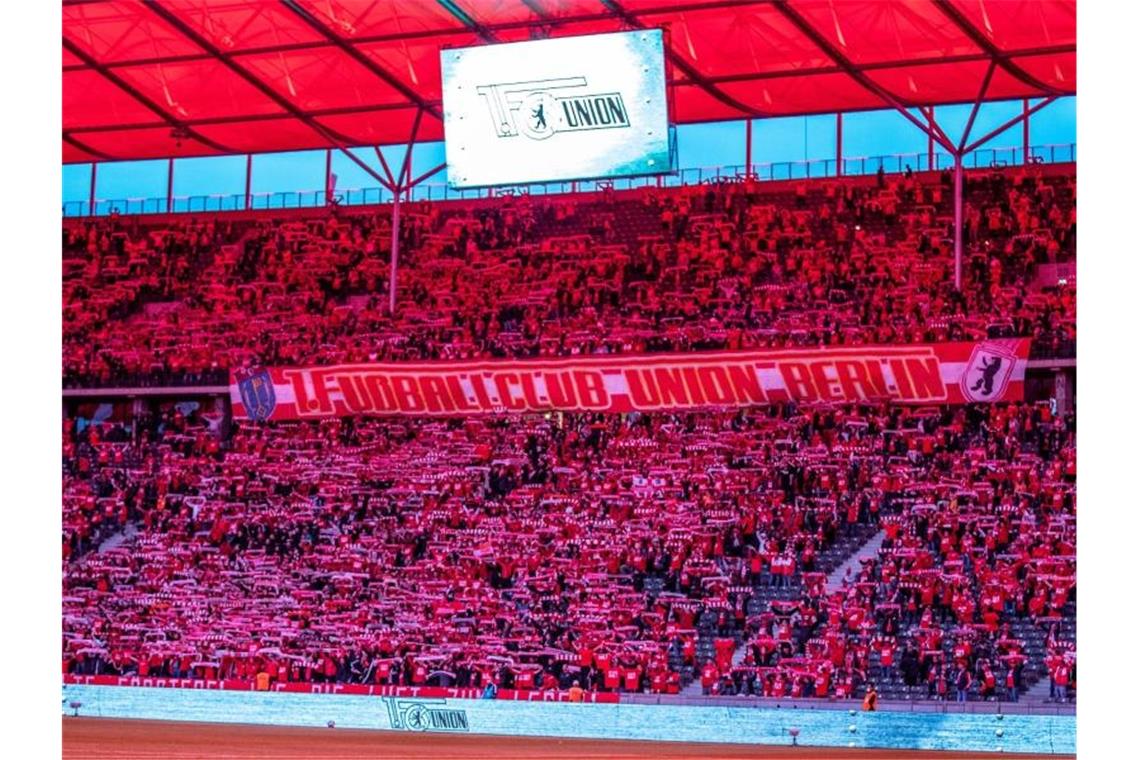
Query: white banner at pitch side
{"type": "Point", "coordinates": [959, 732]}
{"type": "Point", "coordinates": [556, 109]}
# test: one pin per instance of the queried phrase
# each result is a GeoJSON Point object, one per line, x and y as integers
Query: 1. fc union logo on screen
{"type": "Point", "coordinates": [544, 107]}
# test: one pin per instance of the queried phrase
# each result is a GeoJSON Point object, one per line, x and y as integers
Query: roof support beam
{"type": "Point", "coordinates": [333, 137]}
{"type": "Point", "coordinates": [289, 47]}
{"type": "Point", "coordinates": [468, 21]}
{"type": "Point", "coordinates": [355, 54]}
{"type": "Point", "coordinates": [1025, 114]}
{"type": "Point", "coordinates": [992, 50]}
{"type": "Point", "coordinates": [547, 23]}
{"type": "Point", "coordinates": [392, 183]}
{"type": "Point", "coordinates": [977, 105]}
{"type": "Point", "coordinates": [126, 87]}
{"type": "Point", "coordinates": [72, 140]}
{"type": "Point", "coordinates": [855, 73]}
{"type": "Point", "coordinates": [935, 127]}
{"type": "Point", "coordinates": [406, 169]}
{"type": "Point", "coordinates": [425, 175]}
{"type": "Point", "coordinates": [244, 118]}
{"type": "Point", "coordinates": [697, 78]}
{"type": "Point", "coordinates": [931, 128]}
{"type": "Point", "coordinates": [756, 76]}
{"type": "Point", "coordinates": [555, 22]}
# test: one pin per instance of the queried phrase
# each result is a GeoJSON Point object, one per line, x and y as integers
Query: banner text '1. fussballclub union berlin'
{"type": "Point", "coordinates": [940, 373]}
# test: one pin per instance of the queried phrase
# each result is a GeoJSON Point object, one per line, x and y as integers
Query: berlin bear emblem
{"type": "Point", "coordinates": [988, 371]}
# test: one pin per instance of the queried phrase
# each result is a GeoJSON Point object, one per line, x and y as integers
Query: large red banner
{"type": "Point", "coordinates": [940, 373]}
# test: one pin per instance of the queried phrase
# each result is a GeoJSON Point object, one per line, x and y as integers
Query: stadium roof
{"type": "Point", "coordinates": [148, 79]}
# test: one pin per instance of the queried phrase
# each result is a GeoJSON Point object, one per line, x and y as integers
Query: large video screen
{"type": "Point", "coordinates": [556, 109]}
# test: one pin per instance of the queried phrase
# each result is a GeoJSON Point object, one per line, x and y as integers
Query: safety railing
{"type": "Point", "coordinates": [766, 172]}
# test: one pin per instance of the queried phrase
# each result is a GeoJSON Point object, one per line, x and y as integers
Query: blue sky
{"type": "Point", "coordinates": [775, 141]}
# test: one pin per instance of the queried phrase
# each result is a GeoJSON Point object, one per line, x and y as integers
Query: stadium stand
{"type": "Point", "coordinates": [610, 545]}
{"type": "Point", "coordinates": [730, 265]}
{"type": "Point", "coordinates": [636, 553]}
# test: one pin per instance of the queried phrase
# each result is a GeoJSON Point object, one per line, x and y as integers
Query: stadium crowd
{"type": "Point", "coordinates": [979, 547]}
{"type": "Point", "coordinates": [533, 552]}
{"type": "Point", "coordinates": [628, 553]}
{"type": "Point", "coordinates": [734, 265]}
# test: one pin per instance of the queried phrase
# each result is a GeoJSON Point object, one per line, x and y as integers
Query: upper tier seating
{"type": "Point", "coordinates": [733, 265]}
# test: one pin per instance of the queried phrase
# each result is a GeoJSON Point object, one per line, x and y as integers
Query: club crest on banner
{"type": "Point", "coordinates": [425, 715]}
{"type": "Point", "coordinates": [256, 388]}
{"type": "Point", "coordinates": [988, 370]}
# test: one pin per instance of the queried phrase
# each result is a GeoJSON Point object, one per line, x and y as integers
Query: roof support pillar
{"type": "Point", "coordinates": [958, 221]}
{"type": "Point", "coordinates": [169, 185]}
{"type": "Point", "coordinates": [839, 144]}
{"type": "Point", "coordinates": [328, 176]}
{"type": "Point", "coordinates": [958, 152]}
{"type": "Point", "coordinates": [395, 259]}
{"type": "Point", "coordinates": [248, 179]}
{"type": "Point", "coordinates": [403, 184]}
{"type": "Point", "coordinates": [1025, 131]}
{"type": "Point", "coordinates": [931, 159]}
{"type": "Point", "coordinates": [91, 194]}
{"type": "Point", "coordinates": [748, 148]}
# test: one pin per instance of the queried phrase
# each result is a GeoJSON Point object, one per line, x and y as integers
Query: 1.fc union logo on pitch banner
{"type": "Point", "coordinates": [988, 370]}
{"type": "Point", "coordinates": [425, 715]}
{"type": "Point", "coordinates": [541, 108]}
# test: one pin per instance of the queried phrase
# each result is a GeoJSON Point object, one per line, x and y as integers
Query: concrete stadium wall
{"type": "Point", "coordinates": [732, 725]}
